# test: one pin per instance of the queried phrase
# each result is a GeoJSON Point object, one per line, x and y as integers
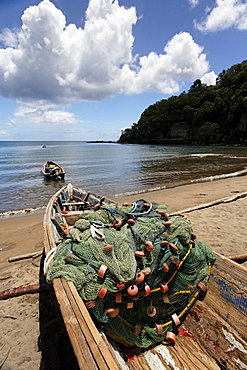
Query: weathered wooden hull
{"type": "Point", "coordinates": [213, 336]}
{"type": "Point", "coordinates": [52, 171]}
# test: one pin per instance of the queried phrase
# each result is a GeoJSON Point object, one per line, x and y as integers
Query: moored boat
{"type": "Point", "coordinates": [52, 171]}
{"type": "Point", "coordinates": [212, 336]}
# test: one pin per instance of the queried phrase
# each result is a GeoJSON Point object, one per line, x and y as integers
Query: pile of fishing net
{"type": "Point", "coordinates": [138, 269]}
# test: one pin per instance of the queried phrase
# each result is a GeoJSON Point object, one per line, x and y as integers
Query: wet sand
{"type": "Point", "coordinates": [24, 343]}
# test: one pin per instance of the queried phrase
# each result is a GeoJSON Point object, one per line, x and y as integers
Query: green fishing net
{"type": "Point", "coordinates": [138, 269]}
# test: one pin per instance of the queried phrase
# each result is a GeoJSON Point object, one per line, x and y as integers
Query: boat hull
{"type": "Point", "coordinates": [213, 335]}
{"type": "Point", "coordinates": [52, 171]}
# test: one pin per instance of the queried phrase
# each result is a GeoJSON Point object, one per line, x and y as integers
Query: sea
{"type": "Point", "coordinates": [108, 169]}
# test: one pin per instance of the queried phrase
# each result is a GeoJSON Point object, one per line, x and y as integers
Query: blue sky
{"type": "Point", "coordinates": [85, 70]}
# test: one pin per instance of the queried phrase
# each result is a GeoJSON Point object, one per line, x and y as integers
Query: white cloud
{"type": "Point", "coordinates": [3, 133]}
{"type": "Point", "coordinates": [226, 14]}
{"type": "Point", "coordinates": [209, 78]}
{"type": "Point", "coordinates": [41, 113]}
{"type": "Point", "coordinates": [193, 3]}
{"type": "Point", "coordinates": [182, 60]}
{"type": "Point", "coordinates": [54, 62]}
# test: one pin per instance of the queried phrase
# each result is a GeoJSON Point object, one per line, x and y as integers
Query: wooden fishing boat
{"type": "Point", "coordinates": [52, 171]}
{"type": "Point", "coordinates": [213, 335]}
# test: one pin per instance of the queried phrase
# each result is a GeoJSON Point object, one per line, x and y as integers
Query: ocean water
{"type": "Point", "coordinates": [107, 169]}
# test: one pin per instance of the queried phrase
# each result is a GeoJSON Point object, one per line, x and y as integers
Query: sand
{"type": "Point", "coordinates": [30, 324]}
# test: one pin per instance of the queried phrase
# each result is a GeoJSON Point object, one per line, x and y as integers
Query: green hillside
{"type": "Point", "coordinates": [204, 115]}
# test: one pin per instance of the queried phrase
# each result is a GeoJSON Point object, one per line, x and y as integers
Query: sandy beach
{"type": "Point", "coordinates": [23, 342]}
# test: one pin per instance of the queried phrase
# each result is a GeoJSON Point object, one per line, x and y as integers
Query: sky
{"type": "Point", "coordinates": [86, 69]}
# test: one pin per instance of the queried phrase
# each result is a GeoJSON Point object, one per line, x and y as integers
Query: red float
{"type": "Point", "coordinates": [132, 290]}
{"type": "Point", "coordinates": [149, 246]}
{"type": "Point", "coordinates": [170, 337]}
{"type": "Point", "coordinates": [164, 288]}
{"type": "Point", "coordinates": [102, 292]}
{"type": "Point", "coordinates": [118, 297]}
{"type": "Point", "coordinates": [173, 247]}
{"type": "Point", "coordinates": [147, 290]}
{"type": "Point", "coordinates": [140, 277]}
{"type": "Point", "coordinates": [117, 224]}
{"type": "Point", "coordinates": [139, 254]}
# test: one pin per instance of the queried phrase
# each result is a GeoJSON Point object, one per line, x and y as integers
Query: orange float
{"type": "Point", "coordinates": [167, 223]}
{"type": "Point", "coordinates": [193, 236]}
{"type": "Point", "coordinates": [147, 290]}
{"type": "Point", "coordinates": [173, 247]}
{"type": "Point", "coordinates": [140, 277]}
{"type": "Point", "coordinates": [96, 207]}
{"type": "Point", "coordinates": [102, 292]}
{"type": "Point", "coordinates": [146, 205]}
{"type": "Point", "coordinates": [149, 246]}
{"type": "Point", "coordinates": [132, 290]}
{"type": "Point", "coordinates": [170, 337]}
{"type": "Point", "coordinates": [159, 329]}
{"type": "Point", "coordinates": [113, 312]}
{"type": "Point", "coordinates": [165, 267]}
{"type": "Point", "coordinates": [90, 304]}
{"type": "Point", "coordinates": [139, 254]}
{"type": "Point", "coordinates": [107, 248]}
{"type": "Point", "coordinates": [147, 271]}
{"type": "Point", "coordinates": [164, 288]}
{"type": "Point", "coordinates": [118, 297]}
{"type": "Point", "coordinates": [164, 243]}
{"type": "Point", "coordinates": [175, 319]}
{"type": "Point", "coordinates": [102, 271]}
{"type": "Point", "coordinates": [117, 224]}
{"type": "Point", "coordinates": [164, 215]}
{"type": "Point", "coordinates": [120, 285]}
{"type": "Point", "coordinates": [131, 222]}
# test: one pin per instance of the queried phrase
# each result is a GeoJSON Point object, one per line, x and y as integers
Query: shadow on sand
{"type": "Point", "coordinates": [53, 342]}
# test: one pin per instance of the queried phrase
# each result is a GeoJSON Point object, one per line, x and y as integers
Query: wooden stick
{"type": "Point", "coordinates": [24, 256]}
{"type": "Point", "coordinates": [15, 292]}
{"type": "Point", "coordinates": [214, 203]}
{"type": "Point", "coordinates": [239, 258]}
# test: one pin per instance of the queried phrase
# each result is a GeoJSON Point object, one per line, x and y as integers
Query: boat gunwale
{"type": "Point", "coordinates": [69, 287]}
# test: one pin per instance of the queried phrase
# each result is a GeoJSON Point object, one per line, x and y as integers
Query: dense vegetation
{"type": "Point", "coordinates": [204, 115]}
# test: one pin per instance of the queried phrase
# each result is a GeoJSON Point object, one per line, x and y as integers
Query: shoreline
{"type": "Point", "coordinates": [157, 191]}
{"type": "Point", "coordinates": [23, 233]}
{"type": "Point", "coordinates": [221, 227]}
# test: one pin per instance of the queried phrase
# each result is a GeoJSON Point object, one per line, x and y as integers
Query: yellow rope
{"type": "Point", "coordinates": [188, 306]}
{"type": "Point", "coordinates": [176, 271]}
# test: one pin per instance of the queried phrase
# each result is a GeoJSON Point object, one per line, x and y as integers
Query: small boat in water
{"type": "Point", "coordinates": [213, 331]}
{"type": "Point", "coordinates": [52, 171]}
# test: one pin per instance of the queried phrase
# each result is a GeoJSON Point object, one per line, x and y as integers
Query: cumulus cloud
{"type": "Point", "coordinates": [183, 60]}
{"type": "Point", "coordinates": [42, 113]}
{"type": "Point", "coordinates": [209, 78]}
{"type": "Point", "coordinates": [54, 62]}
{"type": "Point", "coordinates": [226, 14]}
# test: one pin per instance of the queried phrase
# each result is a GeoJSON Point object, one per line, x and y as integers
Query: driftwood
{"type": "Point", "coordinates": [6, 356]}
{"type": "Point", "coordinates": [239, 258]}
{"type": "Point", "coordinates": [15, 292]}
{"type": "Point", "coordinates": [215, 202]}
{"type": "Point", "coordinates": [24, 256]}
